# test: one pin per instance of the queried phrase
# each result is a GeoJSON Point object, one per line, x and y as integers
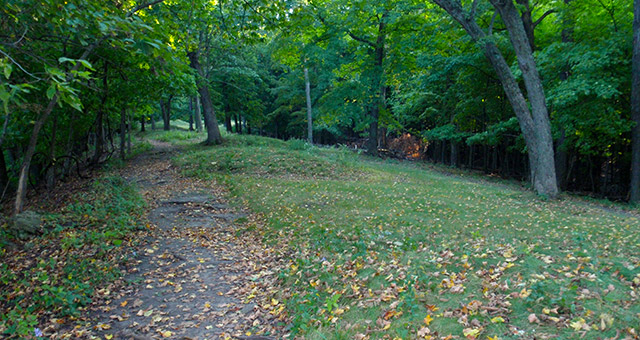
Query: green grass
{"type": "Point", "coordinates": [379, 245]}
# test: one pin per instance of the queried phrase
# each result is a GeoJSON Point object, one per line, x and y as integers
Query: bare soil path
{"type": "Point", "coordinates": [199, 272]}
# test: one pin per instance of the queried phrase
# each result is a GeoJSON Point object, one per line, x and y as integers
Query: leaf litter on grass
{"type": "Point", "coordinates": [408, 253]}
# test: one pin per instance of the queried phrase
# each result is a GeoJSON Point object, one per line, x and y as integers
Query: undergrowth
{"type": "Point", "coordinates": [55, 276]}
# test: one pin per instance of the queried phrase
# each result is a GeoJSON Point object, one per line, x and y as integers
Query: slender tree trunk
{"type": "Point", "coordinates": [69, 146]}
{"type": "Point", "coordinates": [129, 131]}
{"type": "Point", "coordinates": [237, 123]}
{"type": "Point", "coordinates": [190, 114]}
{"type": "Point", "coordinates": [166, 114]}
{"type": "Point", "coordinates": [634, 192]}
{"type": "Point", "coordinates": [21, 192]}
{"type": "Point", "coordinates": [198, 116]}
{"type": "Point", "coordinates": [99, 150]}
{"type": "Point", "coordinates": [213, 132]}
{"type": "Point", "coordinates": [4, 174]}
{"type": "Point", "coordinates": [378, 88]}
{"type": "Point", "coordinates": [123, 131]}
{"type": "Point", "coordinates": [51, 169]}
{"type": "Point", "coordinates": [534, 123]}
{"type": "Point", "coordinates": [307, 87]}
{"type": "Point", "coordinates": [153, 123]}
{"type": "Point", "coordinates": [227, 122]}
{"type": "Point", "coordinates": [142, 129]}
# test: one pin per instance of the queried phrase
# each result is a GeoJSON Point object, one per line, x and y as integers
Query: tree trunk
{"type": "Point", "coordinates": [227, 122]}
{"type": "Point", "coordinates": [307, 88]}
{"type": "Point", "coordinates": [129, 130]}
{"type": "Point", "coordinates": [123, 131]}
{"type": "Point", "coordinates": [166, 114]}
{"type": "Point", "coordinates": [213, 132]}
{"type": "Point", "coordinates": [534, 123]}
{"type": "Point", "coordinates": [561, 151]}
{"type": "Point", "coordinates": [21, 191]}
{"type": "Point", "coordinates": [198, 116]}
{"type": "Point", "coordinates": [51, 169]}
{"type": "Point", "coordinates": [142, 124]}
{"type": "Point", "coordinates": [99, 149]}
{"type": "Point", "coordinates": [190, 114]}
{"type": "Point", "coordinates": [634, 192]}
{"type": "Point", "coordinates": [527, 22]}
{"type": "Point", "coordinates": [378, 87]}
{"type": "Point", "coordinates": [153, 123]}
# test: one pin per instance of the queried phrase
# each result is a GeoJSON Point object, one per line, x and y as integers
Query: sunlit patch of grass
{"type": "Point", "coordinates": [401, 242]}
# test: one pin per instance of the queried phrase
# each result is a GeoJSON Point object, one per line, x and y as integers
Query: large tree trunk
{"type": "Point", "coordinates": [307, 89]}
{"type": "Point", "coordinates": [213, 132]}
{"type": "Point", "coordinates": [635, 107]}
{"type": "Point", "coordinates": [561, 151]}
{"type": "Point", "coordinates": [534, 123]}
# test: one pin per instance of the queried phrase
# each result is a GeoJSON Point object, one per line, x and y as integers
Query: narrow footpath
{"type": "Point", "coordinates": [201, 272]}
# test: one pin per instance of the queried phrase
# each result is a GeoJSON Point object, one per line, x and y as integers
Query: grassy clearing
{"type": "Point", "coordinates": [49, 279]}
{"type": "Point", "coordinates": [388, 250]}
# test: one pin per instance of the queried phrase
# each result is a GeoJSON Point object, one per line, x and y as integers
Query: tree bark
{"type": "Point", "coordinates": [198, 115]}
{"type": "Point", "coordinates": [153, 123]}
{"type": "Point", "coordinates": [634, 192]}
{"type": "Point", "coordinates": [129, 130]}
{"type": "Point", "coordinates": [51, 169]}
{"type": "Point", "coordinates": [166, 114]}
{"type": "Point", "coordinates": [21, 192]}
{"type": "Point", "coordinates": [534, 123]}
{"type": "Point", "coordinates": [307, 89]}
{"type": "Point", "coordinates": [213, 132]}
{"type": "Point", "coordinates": [123, 131]}
{"type": "Point", "coordinates": [190, 114]}
{"type": "Point", "coordinates": [378, 87]}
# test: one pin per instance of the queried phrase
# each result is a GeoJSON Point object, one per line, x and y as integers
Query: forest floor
{"type": "Point", "coordinates": [192, 269]}
{"type": "Point", "coordinates": [263, 239]}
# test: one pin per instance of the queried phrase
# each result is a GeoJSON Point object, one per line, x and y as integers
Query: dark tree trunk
{"type": "Point", "coordinates": [561, 151]}
{"type": "Point", "coordinates": [534, 123]}
{"type": "Point", "coordinates": [634, 193]}
{"type": "Point", "coordinates": [238, 124]}
{"type": "Point", "coordinates": [4, 174]}
{"type": "Point", "coordinates": [123, 131]}
{"type": "Point", "coordinates": [51, 169]}
{"type": "Point", "coordinates": [307, 90]}
{"type": "Point", "coordinates": [153, 123]}
{"type": "Point", "coordinates": [166, 114]}
{"type": "Point", "coordinates": [213, 132]}
{"type": "Point", "coordinates": [142, 124]}
{"type": "Point", "coordinates": [227, 122]}
{"type": "Point", "coordinates": [129, 130]}
{"type": "Point", "coordinates": [100, 137]}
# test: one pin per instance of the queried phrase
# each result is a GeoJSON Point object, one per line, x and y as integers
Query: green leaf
{"type": "Point", "coordinates": [51, 91]}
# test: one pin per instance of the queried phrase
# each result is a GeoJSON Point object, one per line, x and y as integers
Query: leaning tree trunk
{"type": "Point", "coordinates": [213, 132]}
{"type": "Point", "coordinates": [534, 123]}
{"type": "Point", "coordinates": [544, 179]}
{"type": "Point", "coordinates": [307, 89]}
{"type": "Point", "coordinates": [635, 107]}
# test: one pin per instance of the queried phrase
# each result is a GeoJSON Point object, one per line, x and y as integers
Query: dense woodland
{"type": "Point", "coordinates": [541, 91]}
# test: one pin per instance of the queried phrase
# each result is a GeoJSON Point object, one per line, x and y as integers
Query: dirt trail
{"type": "Point", "coordinates": [196, 274]}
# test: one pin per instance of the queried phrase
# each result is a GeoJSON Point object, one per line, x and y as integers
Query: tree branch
{"type": "Point", "coordinates": [362, 40]}
{"type": "Point", "coordinates": [493, 20]}
{"type": "Point", "coordinates": [141, 6]}
{"type": "Point", "coordinates": [543, 16]}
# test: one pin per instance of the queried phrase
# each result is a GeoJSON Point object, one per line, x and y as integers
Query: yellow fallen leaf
{"type": "Point", "coordinates": [427, 319]}
{"type": "Point", "coordinates": [166, 334]}
{"type": "Point", "coordinates": [471, 333]}
{"type": "Point", "coordinates": [124, 303]}
{"type": "Point", "coordinates": [274, 302]}
{"type": "Point", "coordinates": [108, 336]}
{"type": "Point", "coordinates": [497, 319]}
